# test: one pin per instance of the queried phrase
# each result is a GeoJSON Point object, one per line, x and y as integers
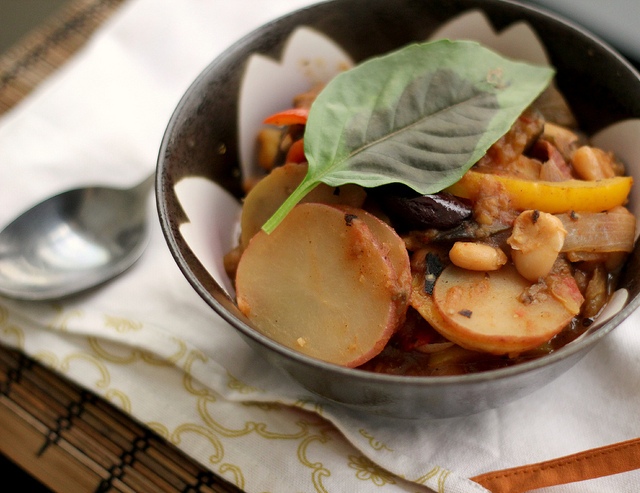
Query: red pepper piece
{"type": "Point", "coordinates": [291, 116]}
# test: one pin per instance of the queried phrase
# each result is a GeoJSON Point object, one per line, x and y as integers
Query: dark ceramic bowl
{"type": "Point", "coordinates": [600, 86]}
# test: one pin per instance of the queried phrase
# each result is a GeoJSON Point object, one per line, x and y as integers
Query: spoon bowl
{"type": "Point", "coordinates": [73, 241]}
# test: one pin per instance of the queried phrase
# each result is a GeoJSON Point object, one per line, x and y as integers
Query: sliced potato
{"type": "Point", "coordinates": [321, 284]}
{"type": "Point", "coordinates": [485, 311]}
{"type": "Point", "coordinates": [393, 247]}
{"type": "Point", "coordinates": [425, 306]}
{"type": "Point", "coordinates": [270, 192]}
{"type": "Point", "coordinates": [421, 298]}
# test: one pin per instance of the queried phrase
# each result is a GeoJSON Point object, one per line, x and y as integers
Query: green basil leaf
{"type": "Point", "coordinates": [421, 116]}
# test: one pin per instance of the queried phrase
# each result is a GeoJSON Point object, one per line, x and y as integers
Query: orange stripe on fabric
{"type": "Point", "coordinates": [590, 464]}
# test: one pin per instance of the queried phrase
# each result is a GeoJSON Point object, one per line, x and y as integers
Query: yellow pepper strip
{"type": "Point", "coordinates": [548, 196]}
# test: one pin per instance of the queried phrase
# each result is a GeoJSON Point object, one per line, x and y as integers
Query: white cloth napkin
{"type": "Point", "coordinates": [150, 345]}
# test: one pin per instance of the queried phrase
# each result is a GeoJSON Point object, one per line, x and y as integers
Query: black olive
{"type": "Point", "coordinates": [409, 210]}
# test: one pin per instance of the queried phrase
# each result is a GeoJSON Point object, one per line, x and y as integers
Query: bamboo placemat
{"type": "Point", "coordinates": [46, 48]}
{"type": "Point", "coordinates": [68, 438]}
{"type": "Point", "coordinates": [73, 441]}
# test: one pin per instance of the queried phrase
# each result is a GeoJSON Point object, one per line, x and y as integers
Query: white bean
{"type": "Point", "coordinates": [592, 164]}
{"type": "Point", "coordinates": [476, 256]}
{"type": "Point", "coordinates": [536, 240]}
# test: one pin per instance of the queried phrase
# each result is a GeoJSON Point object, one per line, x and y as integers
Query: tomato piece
{"type": "Point", "coordinates": [295, 154]}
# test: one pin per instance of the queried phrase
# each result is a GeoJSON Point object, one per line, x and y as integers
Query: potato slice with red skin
{"type": "Point", "coordinates": [393, 247]}
{"type": "Point", "coordinates": [420, 299]}
{"type": "Point", "coordinates": [320, 284]}
{"type": "Point", "coordinates": [484, 311]}
{"type": "Point", "coordinates": [425, 306]}
{"type": "Point", "coordinates": [269, 193]}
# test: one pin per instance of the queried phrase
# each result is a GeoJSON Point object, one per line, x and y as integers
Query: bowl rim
{"type": "Point", "coordinates": [176, 245]}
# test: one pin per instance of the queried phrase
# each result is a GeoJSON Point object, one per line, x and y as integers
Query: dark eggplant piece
{"type": "Point", "coordinates": [495, 234]}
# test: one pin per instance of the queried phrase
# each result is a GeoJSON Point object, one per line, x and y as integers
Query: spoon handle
{"type": "Point", "coordinates": [145, 185]}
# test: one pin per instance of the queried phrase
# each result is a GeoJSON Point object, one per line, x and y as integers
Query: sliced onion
{"type": "Point", "coordinates": [598, 231]}
{"type": "Point", "coordinates": [554, 167]}
{"type": "Point", "coordinates": [596, 294]}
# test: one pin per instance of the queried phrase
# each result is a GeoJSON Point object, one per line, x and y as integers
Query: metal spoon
{"type": "Point", "coordinates": [73, 241]}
